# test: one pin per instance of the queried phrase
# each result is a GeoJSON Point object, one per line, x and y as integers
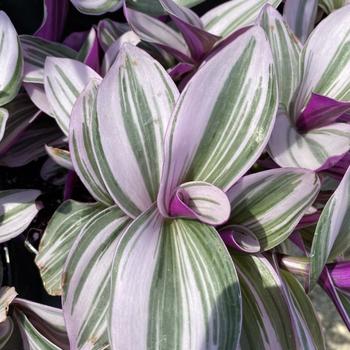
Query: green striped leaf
{"type": "Point", "coordinates": [219, 147]}
{"type": "Point", "coordinates": [174, 286]}
{"type": "Point", "coordinates": [17, 209]}
{"type": "Point", "coordinates": [41, 326]}
{"type": "Point", "coordinates": [329, 6]}
{"type": "Point", "coordinates": [301, 17]}
{"type": "Point", "coordinates": [81, 143]}
{"type": "Point", "coordinates": [109, 31]}
{"type": "Point", "coordinates": [87, 280]}
{"type": "Point", "coordinates": [271, 203]}
{"type": "Point", "coordinates": [305, 310]}
{"type": "Point", "coordinates": [4, 115]}
{"type": "Point", "coordinates": [266, 323]}
{"type": "Point", "coordinates": [154, 8]}
{"type": "Point", "coordinates": [97, 7]}
{"type": "Point", "coordinates": [60, 156]}
{"type": "Point", "coordinates": [134, 104]}
{"type": "Point", "coordinates": [157, 32]}
{"type": "Point", "coordinates": [318, 148]}
{"type": "Point", "coordinates": [62, 230]}
{"type": "Point", "coordinates": [31, 145]}
{"type": "Point", "coordinates": [332, 230]}
{"type": "Point", "coordinates": [286, 53]}
{"type": "Point", "coordinates": [65, 79]}
{"type": "Point", "coordinates": [35, 52]}
{"type": "Point", "coordinates": [232, 15]}
{"type": "Point", "coordinates": [325, 66]}
{"type": "Point", "coordinates": [11, 60]}
{"type": "Point", "coordinates": [21, 113]}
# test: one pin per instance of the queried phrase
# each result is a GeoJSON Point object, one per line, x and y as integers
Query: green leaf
{"type": "Point", "coordinates": [174, 286]}
{"type": "Point", "coordinates": [61, 231]}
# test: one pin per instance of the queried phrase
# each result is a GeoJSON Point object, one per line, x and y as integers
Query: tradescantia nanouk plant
{"type": "Point", "coordinates": [205, 173]}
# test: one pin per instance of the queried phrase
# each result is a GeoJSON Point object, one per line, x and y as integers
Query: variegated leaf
{"type": "Point", "coordinates": [62, 230]}
{"type": "Point", "coordinates": [7, 294]}
{"type": "Point", "coordinates": [305, 310]}
{"type": "Point", "coordinates": [89, 52]}
{"type": "Point", "coordinates": [6, 331]}
{"type": "Point", "coordinates": [271, 203]}
{"type": "Point", "coordinates": [35, 52]}
{"type": "Point", "coordinates": [332, 230]}
{"type": "Point", "coordinates": [109, 31]}
{"type": "Point", "coordinates": [21, 113]}
{"type": "Point", "coordinates": [232, 15]}
{"type": "Point", "coordinates": [41, 326]}
{"type": "Point", "coordinates": [286, 53]}
{"type": "Point", "coordinates": [215, 148]}
{"type": "Point", "coordinates": [325, 65]}
{"type": "Point", "coordinates": [81, 143]}
{"type": "Point", "coordinates": [36, 92]}
{"type": "Point", "coordinates": [301, 16]}
{"type": "Point", "coordinates": [156, 32]}
{"type": "Point", "coordinates": [319, 148]}
{"type": "Point", "coordinates": [329, 6]}
{"type": "Point", "coordinates": [202, 201]}
{"type": "Point", "coordinates": [11, 60]}
{"type": "Point", "coordinates": [87, 279]}
{"type": "Point", "coordinates": [266, 321]}
{"type": "Point", "coordinates": [97, 7]}
{"type": "Point", "coordinates": [60, 156]}
{"type": "Point", "coordinates": [64, 80]}
{"type": "Point", "coordinates": [173, 286]}
{"type": "Point", "coordinates": [154, 8]}
{"type": "Point", "coordinates": [31, 145]}
{"type": "Point", "coordinates": [4, 115]}
{"type": "Point", "coordinates": [113, 51]}
{"type": "Point", "coordinates": [17, 209]}
{"type": "Point", "coordinates": [134, 104]}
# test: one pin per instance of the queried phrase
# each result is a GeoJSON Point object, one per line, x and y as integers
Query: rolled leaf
{"type": "Point", "coordinates": [201, 201]}
{"type": "Point", "coordinates": [11, 60]}
{"type": "Point", "coordinates": [17, 209]}
{"type": "Point", "coordinates": [21, 113]}
{"type": "Point", "coordinates": [134, 104]}
{"type": "Point", "coordinates": [4, 115]}
{"type": "Point", "coordinates": [286, 53]}
{"type": "Point", "coordinates": [332, 230]}
{"type": "Point", "coordinates": [61, 231]}
{"type": "Point", "coordinates": [35, 52]}
{"type": "Point", "coordinates": [215, 148]}
{"type": "Point", "coordinates": [325, 61]}
{"type": "Point", "coordinates": [65, 79]}
{"type": "Point", "coordinates": [179, 274]}
{"type": "Point", "coordinates": [109, 31]}
{"type": "Point", "coordinates": [6, 331]}
{"type": "Point", "coordinates": [60, 156]}
{"type": "Point", "coordinates": [87, 279]}
{"type": "Point", "coordinates": [320, 148]}
{"type": "Point", "coordinates": [301, 16]}
{"type": "Point", "coordinates": [271, 203]}
{"type": "Point", "coordinates": [7, 294]}
{"type": "Point", "coordinates": [96, 7]}
{"type": "Point", "coordinates": [81, 143]}
{"type": "Point", "coordinates": [226, 18]}
{"type": "Point", "coordinates": [54, 19]}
